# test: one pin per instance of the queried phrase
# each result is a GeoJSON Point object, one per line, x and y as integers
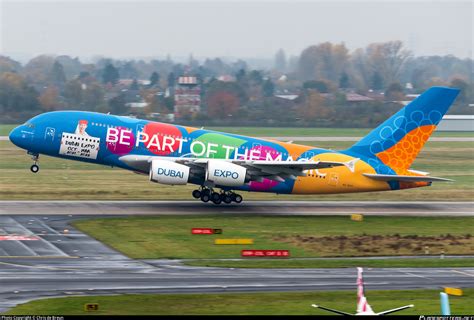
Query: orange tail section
{"type": "Point", "coordinates": [397, 141]}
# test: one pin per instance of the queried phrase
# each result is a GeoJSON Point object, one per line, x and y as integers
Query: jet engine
{"type": "Point", "coordinates": [225, 173]}
{"type": "Point", "coordinates": [168, 172]}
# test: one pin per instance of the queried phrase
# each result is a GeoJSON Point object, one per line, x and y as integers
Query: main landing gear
{"type": "Point", "coordinates": [34, 167]}
{"type": "Point", "coordinates": [207, 194]}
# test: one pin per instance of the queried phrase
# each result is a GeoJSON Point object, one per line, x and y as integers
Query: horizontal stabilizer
{"type": "Point", "coordinates": [332, 310]}
{"type": "Point", "coordinates": [392, 177]}
{"type": "Point", "coordinates": [394, 310]}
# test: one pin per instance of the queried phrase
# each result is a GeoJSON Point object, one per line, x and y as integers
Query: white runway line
{"type": "Point", "coordinates": [467, 274]}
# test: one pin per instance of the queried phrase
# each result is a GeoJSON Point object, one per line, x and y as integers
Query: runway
{"type": "Point", "coordinates": [72, 263]}
{"type": "Point", "coordinates": [415, 208]}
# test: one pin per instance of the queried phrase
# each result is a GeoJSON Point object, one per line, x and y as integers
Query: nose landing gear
{"type": "Point", "coordinates": [34, 167]}
{"type": "Point", "coordinates": [206, 194]}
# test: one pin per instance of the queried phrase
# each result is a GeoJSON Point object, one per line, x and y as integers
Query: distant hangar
{"type": "Point", "coordinates": [456, 123]}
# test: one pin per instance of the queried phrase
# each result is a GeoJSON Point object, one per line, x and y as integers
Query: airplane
{"type": "Point", "coordinates": [176, 155]}
{"type": "Point", "coordinates": [363, 307]}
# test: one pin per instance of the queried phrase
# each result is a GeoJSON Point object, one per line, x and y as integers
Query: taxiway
{"type": "Point", "coordinates": [194, 207]}
{"type": "Point", "coordinates": [42, 255]}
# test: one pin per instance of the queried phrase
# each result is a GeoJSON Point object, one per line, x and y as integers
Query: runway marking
{"type": "Point", "coordinates": [467, 274]}
{"type": "Point", "coordinates": [39, 257]}
{"type": "Point", "coordinates": [415, 275]}
{"type": "Point", "coordinates": [44, 225]}
{"type": "Point", "coordinates": [14, 237]}
{"type": "Point", "coordinates": [37, 267]}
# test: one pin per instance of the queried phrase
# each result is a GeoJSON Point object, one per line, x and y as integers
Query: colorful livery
{"type": "Point", "coordinates": [177, 155]}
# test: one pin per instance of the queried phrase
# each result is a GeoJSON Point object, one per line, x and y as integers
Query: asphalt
{"type": "Point", "coordinates": [273, 208]}
{"type": "Point", "coordinates": [62, 261]}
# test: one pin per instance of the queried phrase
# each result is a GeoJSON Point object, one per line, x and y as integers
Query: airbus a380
{"type": "Point", "coordinates": [177, 155]}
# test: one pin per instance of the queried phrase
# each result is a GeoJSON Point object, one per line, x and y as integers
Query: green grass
{"type": "Point", "coordinates": [278, 303]}
{"type": "Point", "coordinates": [78, 180]}
{"type": "Point", "coordinates": [6, 128]}
{"type": "Point", "coordinates": [335, 263]}
{"type": "Point", "coordinates": [170, 237]}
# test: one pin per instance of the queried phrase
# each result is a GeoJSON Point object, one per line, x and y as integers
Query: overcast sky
{"type": "Point", "coordinates": [228, 28]}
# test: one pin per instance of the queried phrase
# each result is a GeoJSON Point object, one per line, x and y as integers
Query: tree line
{"type": "Point", "coordinates": [234, 92]}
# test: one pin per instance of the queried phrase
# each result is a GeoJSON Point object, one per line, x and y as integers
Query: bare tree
{"type": "Point", "coordinates": [323, 61]}
{"type": "Point", "coordinates": [387, 59]}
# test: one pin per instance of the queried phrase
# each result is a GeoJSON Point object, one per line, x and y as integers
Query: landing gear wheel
{"type": "Point", "coordinates": [217, 200]}
{"type": "Point", "coordinates": [215, 197]}
{"type": "Point", "coordinates": [197, 194]}
{"type": "Point", "coordinates": [35, 157]}
{"type": "Point", "coordinates": [205, 197]}
{"type": "Point", "coordinates": [206, 191]}
{"type": "Point", "coordinates": [226, 198]}
{"type": "Point", "coordinates": [238, 198]}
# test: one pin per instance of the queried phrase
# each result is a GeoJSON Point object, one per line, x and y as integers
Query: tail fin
{"type": "Point", "coordinates": [445, 308]}
{"type": "Point", "coordinates": [362, 304]}
{"type": "Point", "coordinates": [398, 140]}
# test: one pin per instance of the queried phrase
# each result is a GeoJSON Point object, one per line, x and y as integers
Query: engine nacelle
{"type": "Point", "coordinates": [168, 172]}
{"type": "Point", "coordinates": [225, 173]}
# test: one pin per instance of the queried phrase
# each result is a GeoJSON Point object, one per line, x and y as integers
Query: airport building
{"type": "Point", "coordinates": [457, 123]}
{"type": "Point", "coordinates": [187, 96]}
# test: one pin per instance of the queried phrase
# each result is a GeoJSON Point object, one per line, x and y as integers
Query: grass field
{"type": "Point", "coordinates": [6, 128]}
{"type": "Point", "coordinates": [77, 180]}
{"type": "Point", "coordinates": [278, 303]}
{"type": "Point", "coordinates": [304, 236]}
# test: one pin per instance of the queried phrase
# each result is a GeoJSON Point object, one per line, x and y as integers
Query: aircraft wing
{"type": "Point", "coordinates": [394, 310]}
{"type": "Point", "coordinates": [390, 177]}
{"type": "Point", "coordinates": [332, 310]}
{"type": "Point", "coordinates": [257, 169]}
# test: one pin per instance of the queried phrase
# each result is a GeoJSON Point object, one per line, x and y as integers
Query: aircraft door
{"type": "Point", "coordinates": [49, 134]}
{"type": "Point", "coordinates": [333, 179]}
{"type": "Point", "coordinates": [139, 128]}
{"type": "Point", "coordinates": [258, 149]}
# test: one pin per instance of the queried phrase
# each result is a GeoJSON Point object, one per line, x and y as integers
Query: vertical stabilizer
{"type": "Point", "coordinates": [398, 140]}
{"type": "Point", "coordinates": [362, 304]}
{"type": "Point", "coordinates": [445, 309]}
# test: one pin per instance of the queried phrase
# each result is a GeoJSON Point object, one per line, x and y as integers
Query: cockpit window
{"type": "Point", "coordinates": [29, 125]}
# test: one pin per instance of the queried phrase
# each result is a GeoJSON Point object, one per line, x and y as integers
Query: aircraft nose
{"type": "Point", "coordinates": [15, 136]}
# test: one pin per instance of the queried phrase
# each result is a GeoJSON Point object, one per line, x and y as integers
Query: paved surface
{"type": "Point", "coordinates": [72, 263]}
{"type": "Point", "coordinates": [313, 139]}
{"type": "Point", "coordinates": [418, 208]}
